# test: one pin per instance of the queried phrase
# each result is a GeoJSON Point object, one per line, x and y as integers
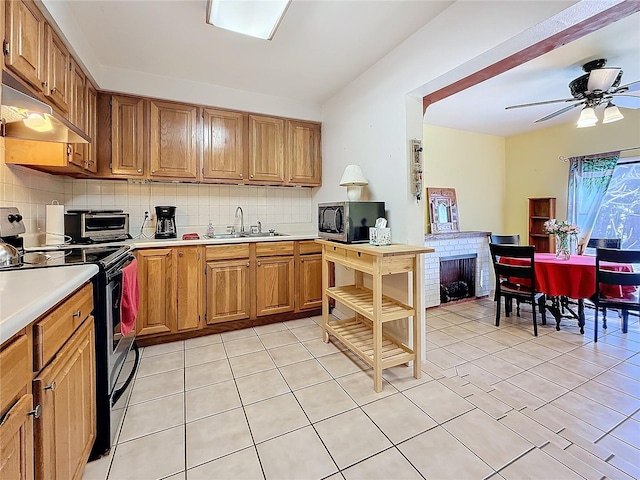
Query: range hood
{"type": "Point", "coordinates": [27, 118]}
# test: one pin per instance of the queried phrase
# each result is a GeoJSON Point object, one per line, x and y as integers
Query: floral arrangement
{"type": "Point", "coordinates": [553, 227]}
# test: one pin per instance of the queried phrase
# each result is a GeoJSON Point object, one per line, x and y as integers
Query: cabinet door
{"type": "Point", "coordinates": [223, 151]}
{"type": "Point", "coordinates": [309, 282]}
{"type": "Point", "coordinates": [274, 285]}
{"type": "Point", "coordinates": [25, 35]}
{"type": "Point", "coordinates": [77, 112]}
{"type": "Point", "coordinates": [266, 149]}
{"type": "Point", "coordinates": [189, 282]}
{"type": "Point", "coordinates": [127, 136]}
{"type": "Point", "coordinates": [16, 441]}
{"type": "Point", "coordinates": [66, 392]}
{"type": "Point", "coordinates": [228, 295]}
{"type": "Point", "coordinates": [303, 153]}
{"type": "Point", "coordinates": [173, 140]}
{"type": "Point", "coordinates": [91, 105]}
{"type": "Point", "coordinates": [156, 277]}
{"type": "Point", "coordinates": [58, 75]}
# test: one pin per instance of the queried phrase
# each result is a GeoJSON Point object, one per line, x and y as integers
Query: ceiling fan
{"type": "Point", "coordinates": [599, 86]}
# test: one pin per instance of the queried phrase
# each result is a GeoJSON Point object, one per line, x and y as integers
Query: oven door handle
{"type": "Point", "coordinates": [118, 393]}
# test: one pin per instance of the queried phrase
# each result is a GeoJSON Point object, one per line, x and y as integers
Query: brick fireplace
{"type": "Point", "coordinates": [456, 245]}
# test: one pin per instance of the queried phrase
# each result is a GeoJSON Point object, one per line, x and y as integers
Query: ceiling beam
{"type": "Point", "coordinates": [571, 33]}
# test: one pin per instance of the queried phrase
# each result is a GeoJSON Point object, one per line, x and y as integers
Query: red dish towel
{"type": "Point", "coordinates": [130, 297]}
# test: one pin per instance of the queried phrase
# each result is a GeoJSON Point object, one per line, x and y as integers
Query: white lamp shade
{"type": "Point", "coordinates": [353, 176]}
{"type": "Point", "coordinates": [255, 18]}
{"type": "Point", "coordinates": [587, 118]}
{"type": "Point", "coordinates": [612, 114]}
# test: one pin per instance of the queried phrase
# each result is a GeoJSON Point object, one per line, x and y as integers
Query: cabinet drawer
{"type": "Point", "coordinates": [225, 252]}
{"type": "Point", "coordinates": [360, 258]}
{"type": "Point", "coordinates": [50, 333]}
{"type": "Point", "coordinates": [267, 249]}
{"type": "Point", "coordinates": [15, 370]}
{"type": "Point", "coordinates": [309, 246]}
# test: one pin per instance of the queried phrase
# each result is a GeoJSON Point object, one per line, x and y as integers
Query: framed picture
{"type": "Point", "coordinates": [443, 210]}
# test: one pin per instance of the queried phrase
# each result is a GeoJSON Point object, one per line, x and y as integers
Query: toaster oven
{"type": "Point", "coordinates": [93, 226]}
{"type": "Point", "coordinates": [348, 222]}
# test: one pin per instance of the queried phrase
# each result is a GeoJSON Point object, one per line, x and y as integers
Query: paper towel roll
{"type": "Point", "coordinates": [55, 225]}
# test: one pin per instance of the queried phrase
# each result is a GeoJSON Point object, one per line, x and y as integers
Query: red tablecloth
{"type": "Point", "coordinates": [573, 278]}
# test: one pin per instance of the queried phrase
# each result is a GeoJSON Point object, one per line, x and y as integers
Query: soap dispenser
{"type": "Point", "coordinates": [210, 229]}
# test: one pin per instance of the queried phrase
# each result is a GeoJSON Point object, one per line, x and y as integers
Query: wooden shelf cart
{"type": "Point", "coordinates": [363, 334]}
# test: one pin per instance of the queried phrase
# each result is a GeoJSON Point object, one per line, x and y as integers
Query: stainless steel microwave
{"type": "Point", "coordinates": [87, 226]}
{"type": "Point", "coordinates": [348, 222]}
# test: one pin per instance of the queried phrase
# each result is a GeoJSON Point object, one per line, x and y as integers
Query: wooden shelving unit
{"type": "Point", "coordinates": [541, 209]}
{"type": "Point", "coordinates": [363, 334]}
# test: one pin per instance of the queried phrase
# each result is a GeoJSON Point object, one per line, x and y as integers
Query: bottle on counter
{"type": "Point", "coordinates": [210, 229]}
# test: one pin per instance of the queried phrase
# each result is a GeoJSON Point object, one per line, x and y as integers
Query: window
{"type": "Point", "coordinates": [619, 214]}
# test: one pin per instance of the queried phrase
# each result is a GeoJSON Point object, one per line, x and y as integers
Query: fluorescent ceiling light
{"type": "Point", "coordinates": [587, 118]}
{"type": "Point", "coordinates": [257, 18]}
{"type": "Point", "coordinates": [612, 114]}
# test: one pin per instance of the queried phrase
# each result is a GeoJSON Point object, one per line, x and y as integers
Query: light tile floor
{"type": "Point", "coordinates": [276, 402]}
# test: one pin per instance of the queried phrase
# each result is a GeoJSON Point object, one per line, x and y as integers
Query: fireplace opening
{"type": "Point", "coordinates": [457, 277]}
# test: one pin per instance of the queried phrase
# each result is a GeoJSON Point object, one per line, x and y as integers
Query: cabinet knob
{"type": "Point", "coordinates": [241, 175]}
{"type": "Point", "coordinates": [35, 412]}
{"type": "Point", "coordinates": [248, 264]}
{"type": "Point", "coordinates": [259, 263]}
{"type": "Point", "coordinates": [53, 90]}
{"type": "Point", "coordinates": [77, 314]}
{"type": "Point", "coordinates": [180, 254]}
{"type": "Point", "coordinates": [51, 386]}
{"type": "Point", "coordinates": [139, 170]}
{"type": "Point", "coordinates": [250, 176]}
{"type": "Point", "coordinates": [44, 84]}
{"type": "Point", "coordinates": [153, 171]}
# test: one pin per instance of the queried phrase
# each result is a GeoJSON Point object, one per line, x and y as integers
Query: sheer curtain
{"type": "Point", "coordinates": [589, 178]}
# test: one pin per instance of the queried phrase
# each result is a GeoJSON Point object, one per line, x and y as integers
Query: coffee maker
{"type": "Point", "coordinates": [165, 222]}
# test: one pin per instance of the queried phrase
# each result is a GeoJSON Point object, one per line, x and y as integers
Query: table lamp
{"type": "Point", "coordinates": [354, 180]}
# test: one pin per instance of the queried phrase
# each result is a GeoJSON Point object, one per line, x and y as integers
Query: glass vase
{"type": "Point", "coordinates": [563, 247]}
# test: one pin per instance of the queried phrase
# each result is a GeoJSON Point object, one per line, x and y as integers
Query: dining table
{"type": "Point", "coordinates": [574, 278]}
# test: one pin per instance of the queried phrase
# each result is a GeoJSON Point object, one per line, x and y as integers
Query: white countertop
{"type": "Point", "coordinates": [27, 294]}
{"type": "Point", "coordinates": [138, 243]}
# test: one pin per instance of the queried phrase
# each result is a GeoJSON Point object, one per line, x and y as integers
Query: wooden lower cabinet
{"type": "Point", "coordinates": [228, 291]}
{"type": "Point", "coordinates": [275, 287]}
{"type": "Point", "coordinates": [66, 393]}
{"type": "Point", "coordinates": [309, 283]}
{"type": "Point", "coordinates": [156, 277]}
{"type": "Point", "coordinates": [189, 288]}
{"type": "Point", "coordinates": [16, 441]}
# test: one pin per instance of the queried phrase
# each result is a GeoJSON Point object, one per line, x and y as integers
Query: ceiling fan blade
{"type": "Point", "coordinates": [631, 87]}
{"type": "Point", "coordinates": [540, 103]}
{"type": "Point", "coordinates": [558, 112]}
{"type": "Point", "coordinates": [602, 79]}
{"type": "Point", "coordinates": [626, 101]}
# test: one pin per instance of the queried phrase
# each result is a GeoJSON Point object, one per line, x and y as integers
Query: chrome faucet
{"type": "Point", "coordinates": [239, 209]}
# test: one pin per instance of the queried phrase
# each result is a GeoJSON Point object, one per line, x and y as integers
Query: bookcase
{"type": "Point", "coordinates": [541, 209]}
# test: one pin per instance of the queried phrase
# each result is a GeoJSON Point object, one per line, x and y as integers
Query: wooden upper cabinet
{"type": "Point", "coordinates": [24, 41]}
{"type": "Point", "coordinates": [77, 110]}
{"type": "Point", "coordinates": [303, 153]}
{"type": "Point", "coordinates": [266, 149]}
{"type": "Point", "coordinates": [174, 132]}
{"type": "Point", "coordinates": [127, 136]}
{"type": "Point", "coordinates": [223, 145]}
{"type": "Point", "coordinates": [91, 106]}
{"type": "Point", "coordinates": [58, 74]}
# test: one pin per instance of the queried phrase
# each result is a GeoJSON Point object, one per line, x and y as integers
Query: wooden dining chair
{"type": "Point", "coordinates": [608, 275]}
{"type": "Point", "coordinates": [505, 239]}
{"type": "Point", "coordinates": [514, 267]}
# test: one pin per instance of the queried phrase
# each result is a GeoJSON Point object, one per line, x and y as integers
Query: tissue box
{"type": "Point", "coordinates": [379, 236]}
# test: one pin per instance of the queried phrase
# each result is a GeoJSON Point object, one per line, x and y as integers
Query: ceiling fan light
{"type": "Point", "coordinates": [612, 114]}
{"type": "Point", "coordinates": [587, 118]}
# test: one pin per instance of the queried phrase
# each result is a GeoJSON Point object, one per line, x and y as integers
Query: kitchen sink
{"type": "Point", "coordinates": [219, 236]}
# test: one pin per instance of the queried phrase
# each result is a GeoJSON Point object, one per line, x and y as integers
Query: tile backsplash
{"type": "Point", "coordinates": [283, 208]}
